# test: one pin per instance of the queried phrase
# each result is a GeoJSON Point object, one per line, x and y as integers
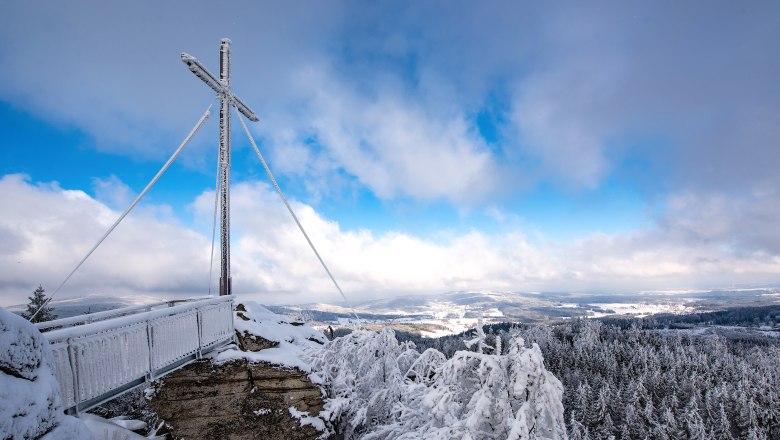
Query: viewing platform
{"type": "Point", "coordinates": [99, 356]}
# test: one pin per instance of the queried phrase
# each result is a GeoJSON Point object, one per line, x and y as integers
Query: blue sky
{"type": "Point", "coordinates": [430, 146]}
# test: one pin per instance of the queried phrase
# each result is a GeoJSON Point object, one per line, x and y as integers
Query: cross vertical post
{"type": "Point", "coordinates": [226, 100]}
{"type": "Point", "coordinates": [225, 282]}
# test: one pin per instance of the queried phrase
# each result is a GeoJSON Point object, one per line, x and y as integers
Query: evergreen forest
{"type": "Point", "coordinates": [638, 379]}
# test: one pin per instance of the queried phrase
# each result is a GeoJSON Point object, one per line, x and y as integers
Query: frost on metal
{"type": "Point", "coordinates": [93, 362]}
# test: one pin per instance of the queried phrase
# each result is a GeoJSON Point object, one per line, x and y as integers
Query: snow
{"type": "Point", "coordinates": [432, 318]}
{"type": "Point", "coordinates": [287, 355]}
{"type": "Point", "coordinates": [113, 429]}
{"type": "Point", "coordinates": [127, 423]}
{"type": "Point", "coordinates": [712, 329]}
{"type": "Point", "coordinates": [445, 326]}
{"type": "Point", "coordinates": [29, 392]}
{"type": "Point", "coordinates": [333, 308]}
{"type": "Point", "coordinates": [277, 328]}
{"type": "Point", "coordinates": [306, 419]}
{"type": "Point", "coordinates": [70, 428]}
{"type": "Point", "coordinates": [293, 340]}
{"type": "Point", "coordinates": [638, 310]}
{"type": "Point", "coordinates": [378, 387]}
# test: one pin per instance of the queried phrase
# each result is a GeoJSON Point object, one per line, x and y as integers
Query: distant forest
{"type": "Point", "coordinates": [646, 378]}
{"type": "Point", "coordinates": [742, 316]}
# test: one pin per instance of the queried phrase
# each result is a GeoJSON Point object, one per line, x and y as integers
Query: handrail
{"type": "Point", "coordinates": [108, 314]}
{"type": "Point", "coordinates": [123, 321]}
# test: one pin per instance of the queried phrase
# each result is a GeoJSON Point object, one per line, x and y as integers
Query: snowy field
{"type": "Point", "coordinates": [452, 313]}
{"type": "Point", "coordinates": [640, 310]}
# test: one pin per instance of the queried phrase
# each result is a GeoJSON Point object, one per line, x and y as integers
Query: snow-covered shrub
{"type": "Point", "coordinates": [379, 388]}
{"type": "Point", "coordinates": [364, 380]}
{"type": "Point", "coordinates": [30, 403]}
{"type": "Point", "coordinates": [424, 368]}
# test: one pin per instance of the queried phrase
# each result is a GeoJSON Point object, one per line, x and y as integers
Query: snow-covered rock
{"type": "Point", "coordinates": [264, 388]}
{"type": "Point", "coordinates": [30, 404]}
{"type": "Point", "coordinates": [289, 339]}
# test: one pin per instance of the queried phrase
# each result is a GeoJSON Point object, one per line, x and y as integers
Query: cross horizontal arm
{"type": "Point", "coordinates": [246, 111]}
{"type": "Point", "coordinates": [197, 68]}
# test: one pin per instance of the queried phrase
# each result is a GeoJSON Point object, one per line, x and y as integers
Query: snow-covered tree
{"type": "Point", "coordinates": [479, 342]}
{"type": "Point", "coordinates": [363, 377]}
{"type": "Point", "coordinates": [721, 427]}
{"type": "Point", "coordinates": [619, 379]}
{"type": "Point", "coordinates": [576, 430]}
{"type": "Point", "coordinates": [379, 388]}
{"type": "Point", "coordinates": [37, 301]}
{"type": "Point", "coordinates": [424, 368]}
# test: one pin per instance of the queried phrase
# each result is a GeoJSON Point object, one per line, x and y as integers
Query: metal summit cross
{"type": "Point", "coordinates": [227, 99]}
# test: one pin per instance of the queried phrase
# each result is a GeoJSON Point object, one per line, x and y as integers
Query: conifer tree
{"type": "Point", "coordinates": [576, 430]}
{"type": "Point", "coordinates": [607, 428]}
{"type": "Point", "coordinates": [37, 300]}
{"type": "Point", "coordinates": [694, 426]}
{"type": "Point", "coordinates": [721, 427]}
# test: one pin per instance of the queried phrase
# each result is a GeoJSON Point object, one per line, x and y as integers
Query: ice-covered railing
{"type": "Point", "coordinates": [98, 361]}
{"type": "Point", "coordinates": [109, 314]}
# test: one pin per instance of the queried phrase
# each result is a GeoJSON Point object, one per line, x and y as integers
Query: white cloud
{"type": "Point", "coordinates": [555, 116]}
{"type": "Point", "coordinates": [46, 229]}
{"type": "Point", "coordinates": [114, 70]}
{"type": "Point", "coordinates": [395, 146]}
{"type": "Point", "coordinates": [746, 222]}
{"type": "Point", "coordinates": [688, 94]}
{"type": "Point", "coordinates": [112, 191]}
{"type": "Point", "coordinates": [52, 229]}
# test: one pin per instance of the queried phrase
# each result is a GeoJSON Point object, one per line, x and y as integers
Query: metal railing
{"type": "Point", "coordinates": [110, 314]}
{"type": "Point", "coordinates": [99, 361]}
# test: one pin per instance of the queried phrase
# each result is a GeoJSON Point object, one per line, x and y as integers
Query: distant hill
{"type": "Point", "coordinates": [454, 312]}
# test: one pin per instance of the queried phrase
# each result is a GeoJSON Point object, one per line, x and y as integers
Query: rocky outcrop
{"type": "Point", "coordinates": [236, 400]}
{"type": "Point", "coordinates": [249, 342]}
{"type": "Point", "coordinates": [239, 393]}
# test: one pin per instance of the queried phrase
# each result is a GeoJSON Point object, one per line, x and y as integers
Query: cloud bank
{"type": "Point", "coordinates": [47, 229]}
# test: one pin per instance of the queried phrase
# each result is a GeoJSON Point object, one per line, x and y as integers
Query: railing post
{"type": "Point", "coordinates": [74, 368]}
{"type": "Point", "coordinates": [149, 345]}
{"type": "Point", "coordinates": [200, 332]}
